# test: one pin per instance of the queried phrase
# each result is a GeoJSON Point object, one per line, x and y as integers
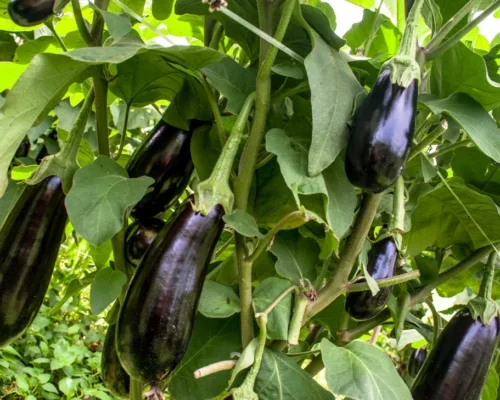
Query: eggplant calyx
{"type": "Point", "coordinates": [485, 309]}
{"type": "Point", "coordinates": [154, 394]}
{"type": "Point", "coordinates": [404, 70]}
{"type": "Point", "coordinates": [55, 165]}
{"type": "Point", "coordinates": [209, 193]}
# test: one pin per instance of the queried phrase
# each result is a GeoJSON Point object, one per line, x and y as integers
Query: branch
{"type": "Point", "coordinates": [80, 23]}
{"type": "Point", "coordinates": [214, 368]}
{"type": "Point", "coordinates": [276, 301]}
{"type": "Point", "coordinates": [393, 280]}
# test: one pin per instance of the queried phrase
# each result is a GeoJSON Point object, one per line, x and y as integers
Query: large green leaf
{"type": "Point", "coordinates": [218, 301]}
{"type": "Point", "coordinates": [105, 289]}
{"type": "Point", "coordinates": [462, 70]}
{"type": "Point", "coordinates": [213, 340]}
{"type": "Point", "coordinates": [479, 125]}
{"type": "Point", "coordinates": [440, 220]}
{"type": "Point", "coordinates": [280, 378]}
{"type": "Point", "coordinates": [37, 91]}
{"type": "Point", "coordinates": [100, 194]}
{"type": "Point", "coordinates": [360, 371]}
{"type": "Point", "coordinates": [490, 390]}
{"type": "Point", "coordinates": [333, 91]}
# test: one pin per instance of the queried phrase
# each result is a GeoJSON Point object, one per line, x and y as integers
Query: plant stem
{"type": "Point", "coordinates": [300, 88]}
{"type": "Point", "coordinates": [408, 45]}
{"type": "Point", "coordinates": [135, 389]}
{"type": "Point", "coordinates": [397, 222]}
{"type": "Point", "coordinates": [443, 48]}
{"type": "Point", "coordinates": [80, 23]}
{"type": "Point", "coordinates": [101, 114]}
{"type": "Point", "coordinates": [292, 220]}
{"type": "Point", "coordinates": [221, 131]}
{"type": "Point", "coordinates": [449, 148]}
{"type": "Point", "coordinates": [426, 142]}
{"type": "Point", "coordinates": [393, 280]}
{"type": "Point", "coordinates": [420, 294]}
{"type": "Point", "coordinates": [245, 284]}
{"type": "Point", "coordinates": [123, 133]}
{"type": "Point", "coordinates": [218, 34]}
{"type": "Point", "coordinates": [208, 29]}
{"type": "Point", "coordinates": [353, 247]}
{"type": "Point", "coordinates": [489, 273]}
{"type": "Point", "coordinates": [50, 25]}
{"type": "Point", "coordinates": [276, 301]}
{"type": "Point", "coordinates": [214, 368]}
{"type": "Point", "coordinates": [435, 319]}
{"type": "Point", "coordinates": [315, 366]}
{"type": "Point", "coordinates": [375, 335]}
{"type": "Point", "coordinates": [301, 302]}
{"type": "Point", "coordinates": [263, 94]}
{"type": "Point", "coordinates": [450, 24]}
{"type": "Point", "coordinates": [98, 23]}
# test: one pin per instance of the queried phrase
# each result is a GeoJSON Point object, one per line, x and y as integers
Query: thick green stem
{"type": "Point", "coordinates": [282, 95]}
{"type": "Point", "coordinates": [50, 25]}
{"type": "Point", "coordinates": [301, 302]}
{"type": "Point", "coordinates": [245, 284]}
{"type": "Point", "coordinates": [135, 389]}
{"type": "Point", "coordinates": [218, 34]}
{"type": "Point", "coordinates": [208, 29]}
{"type": "Point", "coordinates": [435, 320]}
{"type": "Point", "coordinates": [101, 114]}
{"type": "Point", "coordinates": [397, 222]}
{"type": "Point", "coordinates": [290, 221]}
{"type": "Point", "coordinates": [393, 280]}
{"type": "Point", "coordinates": [123, 133]}
{"type": "Point", "coordinates": [80, 23]}
{"type": "Point", "coordinates": [426, 142]}
{"type": "Point", "coordinates": [263, 94]}
{"type": "Point", "coordinates": [408, 45]}
{"type": "Point", "coordinates": [440, 50]}
{"type": "Point", "coordinates": [450, 24]}
{"type": "Point", "coordinates": [419, 295]}
{"type": "Point", "coordinates": [221, 131]}
{"type": "Point", "coordinates": [98, 23]}
{"type": "Point", "coordinates": [489, 273]}
{"type": "Point", "coordinates": [353, 247]}
{"type": "Point", "coordinates": [215, 190]}
{"type": "Point", "coordinates": [451, 147]}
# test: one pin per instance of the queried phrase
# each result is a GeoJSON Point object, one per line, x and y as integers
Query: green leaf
{"type": "Point", "coordinates": [243, 223]}
{"type": "Point", "coordinates": [333, 90]}
{"type": "Point", "coordinates": [29, 100]}
{"type": "Point", "coordinates": [100, 254]}
{"type": "Point", "coordinates": [440, 220]}
{"type": "Point", "coordinates": [280, 378]}
{"type": "Point", "coordinates": [317, 19]}
{"type": "Point", "coordinates": [105, 289]}
{"type": "Point", "coordinates": [218, 301]}
{"type": "Point", "coordinates": [22, 382]}
{"type": "Point", "coordinates": [9, 199]}
{"type": "Point", "coordinates": [279, 318]}
{"type": "Point", "coordinates": [23, 172]}
{"type": "Point", "coordinates": [74, 287]}
{"type": "Point", "coordinates": [67, 386]}
{"type": "Point", "coordinates": [330, 316]}
{"type": "Point", "coordinates": [297, 257]}
{"type": "Point", "coordinates": [43, 378]}
{"type": "Point", "coordinates": [363, 259]}
{"type": "Point", "coordinates": [360, 371]}
{"type": "Point", "coordinates": [490, 391]}
{"type": "Point", "coordinates": [462, 70]}
{"type": "Point", "coordinates": [118, 25]}
{"type": "Point", "coordinates": [10, 73]}
{"type": "Point", "coordinates": [213, 340]}
{"type": "Point", "coordinates": [49, 387]}
{"type": "Point", "coordinates": [100, 195]}
{"type": "Point", "coordinates": [205, 151]}
{"type": "Point", "coordinates": [478, 124]}
{"type": "Point", "coordinates": [162, 9]}
{"type": "Point", "coordinates": [246, 359]}
{"type": "Point", "coordinates": [363, 3]}
{"type": "Point", "coordinates": [43, 44]}
{"type": "Point", "coordinates": [232, 80]}
{"type": "Point", "coordinates": [135, 5]}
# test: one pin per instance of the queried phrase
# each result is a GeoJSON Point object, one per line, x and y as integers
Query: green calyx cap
{"type": "Point", "coordinates": [211, 192]}
{"type": "Point", "coordinates": [56, 165]}
{"type": "Point", "coordinates": [404, 70]}
{"type": "Point", "coordinates": [486, 309]}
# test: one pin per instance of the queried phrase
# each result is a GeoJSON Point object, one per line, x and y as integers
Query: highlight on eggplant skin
{"type": "Point", "coordinates": [417, 359]}
{"type": "Point", "coordinates": [113, 375]}
{"type": "Point", "coordinates": [30, 12]}
{"type": "Point", "coordinates": [457, 366]}
{"type": "Point", "coordinates": [381, 135]}
{"type": "Point", "coordinates": [157, 317]}
{"type": "Point", "coordinates": [382, 259]}
{"type": "Point", "coordinates": [139, 237]}
{"type": "Point", "coordinates": [29, 244]}
{"type": "Point", "coordinates": [165, 156]}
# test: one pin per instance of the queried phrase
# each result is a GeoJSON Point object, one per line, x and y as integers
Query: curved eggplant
{"type": "Point", "coordinates": [140, 235]}
{"type": "Point", "coordinates": [157, 317]}
{"type": "Point", "coordinates": [113, 375]}
{"type": "Point", "coordinates": [417, 359]}
{"type": "Point", "coordinates": [457, 366]}
{"type": "Point", "coordinates": [164, 156]}
{"type": "Point", "coordinates": [381, 135]}
{"type": "Point", "coordinates": [30, 12]}
{"type": "Point", "coordinates": [382, 259]}
{"type": "Point", "coordinates": [29, 243]}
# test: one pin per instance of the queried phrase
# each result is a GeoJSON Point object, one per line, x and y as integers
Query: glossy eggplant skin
{"type": "Point", "coordinates": [457, 366]}
{"type": "Point", "coordinates": [382, 259]}
{"type": "Point", "coordinates": [29, 243]}
{"type": "Point", "coordinates": [417, 359]}
{"type": "Point", "coordinates": [381, 135]}
{"type": "Point", "coordinates": [140, 235]}
{"type": "Point", "coordinates": [30, 12]}
{"type": "Point", "coordinates": [156, 320]}
{"type": "Point", "coordinates": [113, 375]}
{"type": "Point", "coordinates": [164, 156]}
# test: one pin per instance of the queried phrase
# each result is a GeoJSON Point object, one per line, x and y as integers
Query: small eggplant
{"type": "Point", "coordinates": [29, 243]}
{"type": "Point", "coordinates": [140, 235]}
{"type": "Point", "coordinates": [164, 156]}
{"type": "Point", "coordinates": [381, 135]}
{"type": "Point", "coordinates": [416, 361]}
{"type": "Point", "coordinates": [30, 12]}
{"type": "Point", "coordinates": [113, 375]}
{"type": "Point", "coordinates": [382, 259]}
{"type": "Point", "coordinates": [157, 317]}
{"type": "Point", "coordinates": [457, 366]}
